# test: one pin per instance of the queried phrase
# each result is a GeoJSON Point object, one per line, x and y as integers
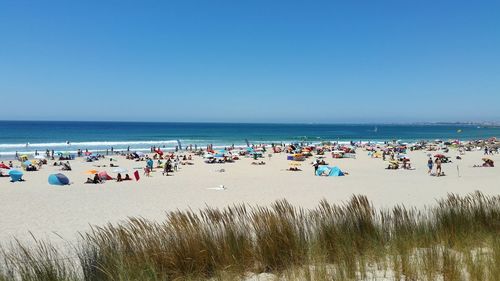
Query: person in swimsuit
{"type": "Point", "coordinates": [438, 167]}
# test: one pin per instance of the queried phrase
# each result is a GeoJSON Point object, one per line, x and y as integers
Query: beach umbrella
{"type": "Point", "coordinates": [3, 166]}
{"type": "Point", "coordinates": [58, 179]}
{"type": "Point", "coordinates": [439, 156]}
{"type": "Point", "coordinates": [15, 175]}
{"type": "Point", "coordinates": [140, 154]}
{"type": "Point", "coordinates": [40, 157]}
{"type": "Point", "coordinates": [394, 162]}
{"type": "Point", "coordinates": [120, 170]}
{"type": "Point", "coordinates": [295, 163]}
{"type": "Point", "coordinates": [487, 159]}
{"type": "Point", "coordinates": [208, 155]}
{"type": "Point", "coordinates": [91, 172]}
{"type": "Point", "coordinates": [27, 163]}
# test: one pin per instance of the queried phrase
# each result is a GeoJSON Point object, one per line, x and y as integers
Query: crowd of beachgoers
{"type": "Point", "coordinates": [165, 161]}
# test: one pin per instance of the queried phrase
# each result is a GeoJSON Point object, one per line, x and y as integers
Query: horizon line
{"type": "Point", "coordinates": [276, 123]}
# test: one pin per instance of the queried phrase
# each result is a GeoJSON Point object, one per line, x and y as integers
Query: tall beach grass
{"type": "Point", "coordinates": [458, 238]}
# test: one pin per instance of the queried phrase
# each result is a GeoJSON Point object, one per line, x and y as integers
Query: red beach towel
{"type": "Point", "coordinates": [136, 175]}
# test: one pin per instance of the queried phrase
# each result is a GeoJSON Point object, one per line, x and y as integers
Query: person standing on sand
{"type": "Point", "coordinates": [316, 165]}
{"type": "Point", "coordinates": [165, 169]}
{"type": "Point", "coordinates": [438, 167]}
{"type": "Point", "coordinates": [430, 164]}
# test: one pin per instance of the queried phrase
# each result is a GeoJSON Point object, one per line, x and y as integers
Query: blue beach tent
{"type": "Point", "coordinates": [330, 171]}
{"type": "Point", "coordinates": [15, 175]}
{"type": "Point", "coordinates": [58, 179]}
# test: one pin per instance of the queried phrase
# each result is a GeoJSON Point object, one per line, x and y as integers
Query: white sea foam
{"type": "Point", "coordinates": [85, 144]}
{"type": "Point", "coordinates": [102, 146]}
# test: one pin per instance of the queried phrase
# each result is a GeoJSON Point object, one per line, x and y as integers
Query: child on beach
{"type": "Point", "coordinates": [430, 164]}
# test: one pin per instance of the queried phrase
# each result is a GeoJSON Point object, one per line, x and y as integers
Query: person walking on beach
{"type": "Point", "coordinates": [316, 165]}
{"type": "Point", "coordinates": [176, 165]}
{"type": "Point", "coordinates": [430, 164]}
{"type": "Point", "coordinates": [438, 167]}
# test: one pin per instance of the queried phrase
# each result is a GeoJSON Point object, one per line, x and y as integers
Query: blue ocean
{"type": "Point", "coordinates": [27, 136]}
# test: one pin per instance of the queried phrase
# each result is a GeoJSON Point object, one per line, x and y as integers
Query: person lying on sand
{"type": "Point", "coordinates": [487, 164]}
{"type": "Point", "coordinates": [392, 166]}
{"type": "Point", "coordinates": [293, 169]}
{"type": "Point", "coordinates": [259, 163]}
{"type": "Point", "coordinates": [127, 178]}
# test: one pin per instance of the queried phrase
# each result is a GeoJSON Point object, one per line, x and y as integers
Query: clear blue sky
{"type": "Point", "coordinates": [250, 61]}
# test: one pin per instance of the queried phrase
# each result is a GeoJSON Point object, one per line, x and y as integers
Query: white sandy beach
{"type": "Point", "coordinates": [52, 211]}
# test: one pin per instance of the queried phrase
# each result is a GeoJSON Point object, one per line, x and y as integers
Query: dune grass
{"type": "Point", "coordinates": [456, 239]}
